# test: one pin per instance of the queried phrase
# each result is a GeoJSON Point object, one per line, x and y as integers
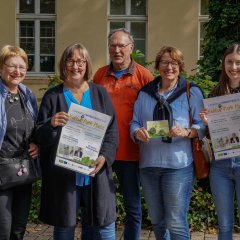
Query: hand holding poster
{"type": "Point", "coordinates": [81, 139]}
{"type": "Point", "coordinates": [224, 125]}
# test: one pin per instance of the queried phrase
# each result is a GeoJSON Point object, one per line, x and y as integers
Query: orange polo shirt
{"type": "Point", "coordinates": [123, 92]}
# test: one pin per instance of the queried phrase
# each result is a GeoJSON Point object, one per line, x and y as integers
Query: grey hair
{"type": "Point", "coordinates": [124, 30]}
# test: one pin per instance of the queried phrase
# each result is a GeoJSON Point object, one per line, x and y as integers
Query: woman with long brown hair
{"type": "Point", "coordinates": [225, 173]}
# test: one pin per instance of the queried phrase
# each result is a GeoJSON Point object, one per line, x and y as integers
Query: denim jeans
{"type": "Point", "coordinates": [88, 232]}
{"type": "Point", "coordinates": [225, 182]}
{"type": "Point", "coordinates": [167, 193]}
{"type": "Point", "coordinates": [14, 209]}
{"type": "Point", "coordinates": [128, 175]}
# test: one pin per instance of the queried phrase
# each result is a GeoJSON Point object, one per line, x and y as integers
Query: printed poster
{"type": "Point", "coordinates": [81, 139]}
{"type": "Point", "coordinates": [224, 125]}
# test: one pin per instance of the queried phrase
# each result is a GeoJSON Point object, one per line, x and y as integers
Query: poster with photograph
{"type": "Point", "coordinates": [81, 139]}
{"type": "Point", "coordinates": [157, 129]}
{"type": "Point", "coordinates": [224, 125]}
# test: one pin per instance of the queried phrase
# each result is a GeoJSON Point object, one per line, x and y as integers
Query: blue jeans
{"type": "Point", "coordinates": [167, 193]}
{"type": "Point", "coordinates": [88, 232]}
{"type": "Point", "coordinates": [225, 182]}
{"type": "Point", "coordinates": [128, 176]}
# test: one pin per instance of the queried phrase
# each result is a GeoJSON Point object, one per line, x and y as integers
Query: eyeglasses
{"type": "Point", "coordinates": [165, 63]}
{"type": "Point", "coordinates": [79, 62]}
{"type": "Point", "coordinates": [120, 46]}
{"type": "Point", "coordinates": [13, 68]}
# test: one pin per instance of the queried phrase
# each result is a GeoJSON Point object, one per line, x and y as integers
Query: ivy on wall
{"type": "Point", "coordinates": [222, 30]}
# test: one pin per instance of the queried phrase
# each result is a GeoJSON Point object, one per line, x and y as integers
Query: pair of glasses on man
{"type": "Point", "coordinates": [119, 46]}
{"type": "Point", "coordinates": [13, 68]}
{"type": "Point", "coordinates": [79, 62]}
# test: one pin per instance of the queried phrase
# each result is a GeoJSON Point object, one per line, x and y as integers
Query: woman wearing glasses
{"type": "Point", "coordinates": [166, 162]}
{"type": "Point", "coordinates": [18, 113]}
{"type": "Point", "coordinates": [62, 189]}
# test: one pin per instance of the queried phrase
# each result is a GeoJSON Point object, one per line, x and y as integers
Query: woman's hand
{"type": "Point", "coordinates": [59, 119]}
{"type": "Point", "coordinates": [178, 131]}
{"type": "Point", "coordinates": [33, 150]}
{"type": "Point", "coordinates": [142, 135]}
{"type": "Point", "coordinates": [98, 164]}
{"type": "Point", "coordinates": [203, 116]}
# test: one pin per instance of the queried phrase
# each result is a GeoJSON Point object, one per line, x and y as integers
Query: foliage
{"type": "Point", "coordinates": [53, 81]}
{"type": "Point", "coordinates": [36, 193]}
{"type": "Point", "coordinates": [201, 213]}
{"type": "Point", "coordinates": [203, 81]}
{"type": "Point", "coordinates": [120, 207]}
{"type": "Point", "coordinates": [139, 57]}
{"type": "Point", "coordinates": [222, 30]}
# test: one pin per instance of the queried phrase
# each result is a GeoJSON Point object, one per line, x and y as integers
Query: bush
{"type": "Point", "coordinates": [222, 30]}
{"type": "Point", "coordinates": [33, 214]}
{"type": "Point", "coordinates": [203, 81]}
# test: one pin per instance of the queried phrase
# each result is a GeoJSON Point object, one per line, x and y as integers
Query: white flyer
{"type": "Point", "coordinates": [224, 125]}
{"type": "Point", "coordinates": [81, 139]}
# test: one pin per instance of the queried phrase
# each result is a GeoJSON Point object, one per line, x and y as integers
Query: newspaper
{"type": "Point", "coordinates": [81, 139]}
{"type": "Point", "coordinates": [224, 125]}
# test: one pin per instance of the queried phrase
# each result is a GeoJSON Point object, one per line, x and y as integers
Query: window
{"type": "Point", "coordinates": [203, 18]}
{"type": "Point", "coordinates": [36, 33]}
{"type": "Point", "coordinates": [132, 15]}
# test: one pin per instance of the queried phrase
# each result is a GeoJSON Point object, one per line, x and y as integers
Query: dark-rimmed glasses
{"type": "Point", "coordinates": [165, 63]}
{"type": "Point", "coordinates": [79, 62]}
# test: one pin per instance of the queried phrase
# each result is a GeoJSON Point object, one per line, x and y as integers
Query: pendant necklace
{"type": "Point", "coordinates": [13, 97]}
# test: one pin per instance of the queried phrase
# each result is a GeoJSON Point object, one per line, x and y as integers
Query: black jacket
{"type": "Point", "coordinates": [58, 194]}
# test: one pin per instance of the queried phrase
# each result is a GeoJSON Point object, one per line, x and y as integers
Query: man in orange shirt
{"type": "Point", "coordinates": [123, 78]}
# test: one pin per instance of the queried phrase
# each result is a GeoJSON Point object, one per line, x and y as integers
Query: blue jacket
{"type": "Point", "coordinates": [29, 99]}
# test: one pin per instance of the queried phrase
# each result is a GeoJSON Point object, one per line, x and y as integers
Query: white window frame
{"type": "Point", "coordinates": [36, 18]}
{"type": "Point", "coordinates": [201, 20]}
{"type": "Point", "coordinates": [127, 19]}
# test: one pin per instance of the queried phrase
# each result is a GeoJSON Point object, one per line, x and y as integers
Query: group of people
{"type": "Point", "coordinates": [130, 94]}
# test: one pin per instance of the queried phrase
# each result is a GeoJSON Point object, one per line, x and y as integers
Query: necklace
{"type": "Point", "coordinates": [234, 90]}
{"type": "Point", "coordinates": [12, 97]}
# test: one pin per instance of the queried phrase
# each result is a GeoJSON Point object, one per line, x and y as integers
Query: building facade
{"type": "Point", "coordinates": [44, 28]}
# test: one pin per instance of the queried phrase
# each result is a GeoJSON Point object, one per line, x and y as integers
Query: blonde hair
{"type": "Point", "coordinates": [12, 51]}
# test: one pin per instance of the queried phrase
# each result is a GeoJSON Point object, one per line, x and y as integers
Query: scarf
{"type": "Point", "coordinates": [163, 110]}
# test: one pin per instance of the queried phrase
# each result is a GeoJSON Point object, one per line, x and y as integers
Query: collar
{"type": "Point", "coordinates": [167, 94]}
{"type": "Point", "coordinates": [234, 90]}
{"type": "Point", "coordinates": [131, 69]}
{"type": "Point", "coordinates": [3, 88]}
{"type": "Point", "coordinates": [153, 89]}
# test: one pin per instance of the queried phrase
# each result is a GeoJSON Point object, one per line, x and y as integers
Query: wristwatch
{"type": "Point", "coordinates": [189, 130]}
